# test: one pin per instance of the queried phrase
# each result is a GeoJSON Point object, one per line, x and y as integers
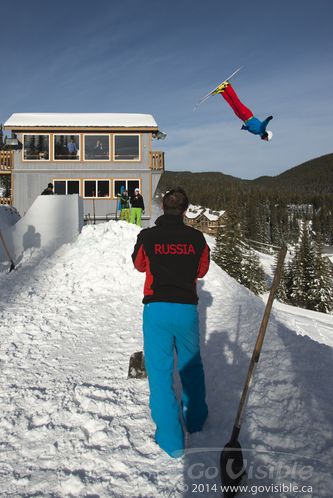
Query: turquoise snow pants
{"type": "Point", "coordinates": [169, 328]}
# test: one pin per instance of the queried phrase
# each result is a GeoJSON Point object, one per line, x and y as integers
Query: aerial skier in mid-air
{"type": "Point", "coordinates": [251, 123]}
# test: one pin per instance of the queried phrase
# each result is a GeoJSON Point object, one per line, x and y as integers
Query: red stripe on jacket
{"type": "Point", "coordinates": [141, 263]}
{"type": "Point", "coordinates": [204, 262]}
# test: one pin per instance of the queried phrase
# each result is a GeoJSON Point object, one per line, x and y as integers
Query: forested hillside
{"type": "Point", "coordinates": [270, 207]}
{"type": "Point", "coordinates": [315, 176]}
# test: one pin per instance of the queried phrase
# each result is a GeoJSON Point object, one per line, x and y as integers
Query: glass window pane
{"type": "Point", "coordinates": [60, 187]}
{"type": "Point", "coordinates": [5, 185]}
{"type": "Point", "coordinates": [90, 188]}
{"type": "Point", "coordinates": [96, 147]}
{"type": "Point", "coordinates": [117, 186]}
{"type": "Point", "coordinates": [127, 147]}
{"type": "Point", "coordinates": [66, 147]}
{"type": "Point", "coordinates": [103, 188]}
{"type": "Point", "coordinates": [73, 187]}
{"type": "Point", "coordinates": [132, 185]}
{"type": "Point", "coordinates": [36, 147]}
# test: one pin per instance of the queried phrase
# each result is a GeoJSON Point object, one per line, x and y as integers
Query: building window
{"type": "Point", "coordinates": [96, 148]}
{"type": "Point", "coordinates": [96, 188]}
{"type": "Point", "coordinates": [66, 187]}
{"type": "Point", "coordinates": [127, 147]}
{"type": "Point", "coordinates": [66, 147]}
{"type": "Point", "coordinates": [36, 147]}
{"type": "Point", "coordinates": [5, 186]}
{"type": "Point", "coordinates": [129, 185]}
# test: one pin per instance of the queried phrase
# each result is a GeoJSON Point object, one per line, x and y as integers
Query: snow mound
{"type": "Point", "coordinates": [8, 216]}
{"type": "Point", "coordinates": [73, 425]}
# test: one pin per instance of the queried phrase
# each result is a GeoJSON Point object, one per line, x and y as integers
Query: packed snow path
{"type": "Point", "coordinates": [73, 425]}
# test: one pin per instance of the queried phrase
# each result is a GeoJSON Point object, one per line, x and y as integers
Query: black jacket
{"type": "Point", "coordinates": [173, 255]}
{"type": "Point", "coordinates": [47, 191]}
{"type": "Point", "coordinates": [137, 201]}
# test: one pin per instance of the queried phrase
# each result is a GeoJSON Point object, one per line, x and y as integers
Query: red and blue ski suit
{"type": "Point", "coordinates": [251, 123]}
{"type": "Point", "coordinates": [173, 256]}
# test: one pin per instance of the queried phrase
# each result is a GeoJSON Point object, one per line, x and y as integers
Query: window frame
{"type": "Point", "coordinates": [79, 157]}
{"type": "Point", "coordinates": [84, 135]}
{"type": "Point", "coordinates": [114, 148]}
{"type": "Point", "coordinates": [68, 180]}
{"type": "Point", "coordinates": [126, 180]}
{"type": "Point", "coordinates": [38, 160]}
{"type": "Point", "coordinates": [96, 180]}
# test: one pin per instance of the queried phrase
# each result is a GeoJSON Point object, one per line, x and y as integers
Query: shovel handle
{"type": "Point", "coordinates": [259, 342]}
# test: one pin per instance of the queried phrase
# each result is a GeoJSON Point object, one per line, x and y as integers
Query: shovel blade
{"type": "Point", "coordinates": [137, 369]}
{"type": "Point", "coordinates": [231, 468]}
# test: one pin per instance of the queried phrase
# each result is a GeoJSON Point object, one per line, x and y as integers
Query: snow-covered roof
{"type": "Point", "coordinates": [195, 211]}
{"type": "Point", "coordinates": [103, 120]}
{"type": "Point", "coordinates": [213, 216]}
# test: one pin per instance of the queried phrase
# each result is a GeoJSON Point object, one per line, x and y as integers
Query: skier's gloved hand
{"type": "Point", "coordinates": [270, 117]}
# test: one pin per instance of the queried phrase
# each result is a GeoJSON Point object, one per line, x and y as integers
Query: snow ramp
{"type": "Point", "coordinates": [51, 221]}
{"type": "Point", "coordinates": [71, 423]}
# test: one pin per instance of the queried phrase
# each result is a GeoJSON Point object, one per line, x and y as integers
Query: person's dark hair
{"type": "Point", "coordinates": [50, 185]}
{"type": "Point", "coordinates": [175, 201]}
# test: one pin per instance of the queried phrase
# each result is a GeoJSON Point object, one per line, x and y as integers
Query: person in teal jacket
{"type": "Point", "coordinates": [251, 123]}
{"type": "Point", "coordinates": [124, 202]}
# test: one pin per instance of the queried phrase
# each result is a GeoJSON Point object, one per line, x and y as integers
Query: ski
{"type": "Point", "coordinates": [212, 92]}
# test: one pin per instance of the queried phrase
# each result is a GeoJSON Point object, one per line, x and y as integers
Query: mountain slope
{"type": "Point", "coordinates": [73, 425]}
{"type": "Point", "coordinates": [313, 177]}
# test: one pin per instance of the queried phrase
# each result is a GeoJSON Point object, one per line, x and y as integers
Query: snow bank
{"type": "Point", "coordinates": [73, 425]}
{"type": "Point", "coordinates": [51, 221]}
{"type": "Point", "coordinates": [8, 216]}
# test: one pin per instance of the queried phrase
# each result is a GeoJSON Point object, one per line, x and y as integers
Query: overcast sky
{"type": "Point", "coordinates": [160, 57]}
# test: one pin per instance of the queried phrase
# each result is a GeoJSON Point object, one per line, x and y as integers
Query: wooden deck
{"type": "Point", "coordinates": [157, 161]}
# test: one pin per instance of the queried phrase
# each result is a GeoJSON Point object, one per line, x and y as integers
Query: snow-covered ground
{"type": "Point", "coordinates": [73, 425]}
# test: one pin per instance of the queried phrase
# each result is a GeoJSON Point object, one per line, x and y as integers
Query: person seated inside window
{"type": "Point", "coordinates": [98, 149]}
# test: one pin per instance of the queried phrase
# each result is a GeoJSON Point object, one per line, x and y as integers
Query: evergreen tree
{"type": "Point", "coordinates": [302, 269]}
{"type": "Point", "coordinates": [320, 296]}
{"type": "Point", "coordinates": [283, 291]}
{"type": "Point", "coordinates": [233, 256]}
{"type": "Point", "coordinates": [252, 275]}
{"type": "Point", "coordinates": [228, 253]}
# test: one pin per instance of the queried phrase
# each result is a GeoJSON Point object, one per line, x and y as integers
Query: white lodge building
{"type": "Point", "coordinates": [89, 154]}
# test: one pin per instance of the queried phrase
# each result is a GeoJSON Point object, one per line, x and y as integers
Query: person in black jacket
{"type": "Point", "coordinates": [173, 256]}
{"type": "Point", "coordinates": [48, 190]}
{"type": "Point", "coordinates": [137, 207]}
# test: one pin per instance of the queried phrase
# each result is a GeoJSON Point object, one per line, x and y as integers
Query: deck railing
{"type": "Point", "coordinates": [157, 161]}
{"type": "Point", "coordinates": [5, 200]}
{"type": "Point", "coordinates": [6, 160]}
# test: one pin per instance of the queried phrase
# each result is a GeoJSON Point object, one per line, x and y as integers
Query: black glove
{"type": "Point", "coordinates": [270, 117]}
